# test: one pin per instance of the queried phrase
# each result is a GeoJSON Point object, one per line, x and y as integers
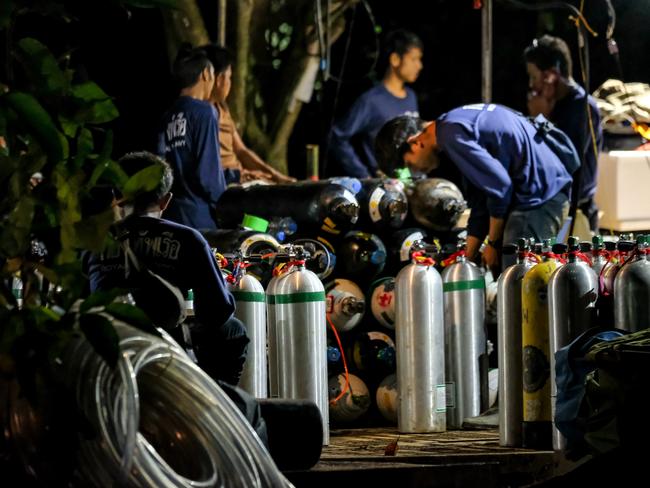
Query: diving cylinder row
{"type": "Point", "coordinates": [441, 344]}
{"type": "Point", "coordinates": [557, 303]}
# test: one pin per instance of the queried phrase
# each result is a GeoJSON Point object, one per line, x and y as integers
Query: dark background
{"type": "Point", "coordinates": [124, 51]}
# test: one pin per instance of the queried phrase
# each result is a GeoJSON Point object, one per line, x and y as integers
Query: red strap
{"type": "Point", "coordinates": [530, 256]}
{"type": "Point", "coordinates": [478, 4]}
{"type": "Point", "coordinates": [580, 255]}
{"type": "Point", "coordinates": [420, 258]}
{"type": "Point", "coordinates": [286, 267]}
{"type": "Point", "coordinates": [452, 259]}
{"type": "Point", "coordinates": [552, 255]}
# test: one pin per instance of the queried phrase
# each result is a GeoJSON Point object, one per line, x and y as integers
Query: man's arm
{"type": "Point", "coordinates": [209, 174]}
{"type": "Point", "coordinates": [251, 161]}
{"type": "Point", "coordinates": [354, 122]}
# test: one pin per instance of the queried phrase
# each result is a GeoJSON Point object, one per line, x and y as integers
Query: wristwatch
{"type": "Point", "coordinates": [495, 244]}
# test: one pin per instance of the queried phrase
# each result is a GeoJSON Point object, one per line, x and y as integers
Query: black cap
{"type": "Point", "coordinates": [559, 248]}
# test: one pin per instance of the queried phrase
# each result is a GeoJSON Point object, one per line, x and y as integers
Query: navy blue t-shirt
{"type": "Point", "coordinates": [367, 115]}
{"type": "Point", "coordinates": [176, 252]}
{"type": "Point", "coordinates": [570, 115]}
{"type": "Point", "coordinates": [189, 142]}
{"type": "Point", "coordinates": [497, 151]}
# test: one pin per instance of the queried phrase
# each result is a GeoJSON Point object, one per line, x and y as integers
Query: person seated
{"type": "Point", "coordinates": [388, 99]}
{"type": "Point", "coordinates": [240, 164]}
{"type": "Point", "coordinates": [521, 186]}
{"type": "Point", "coordinates": [181, 256]}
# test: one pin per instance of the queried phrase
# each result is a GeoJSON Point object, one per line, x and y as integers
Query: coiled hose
{"type": "Point", "coordinates": [161, 421]}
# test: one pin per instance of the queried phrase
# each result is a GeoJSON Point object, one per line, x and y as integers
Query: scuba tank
{"type": "Point", "coordinates": [297, 341]}
{"type": "Point", "coordinates": [436, 203]}
{"type": "Point", "coordinates": [620, 254]}
{"type": "Point", "coordinates": [572, 295]}
{"type": "Point", "coordinates": [600, 258]}
{"type": "Point", "coordinates": [355, 401]}
{"type": "Point", "coordinates": [334, 360]}
{"type": "Point", "coordinates": [383, 203]}
{"type": "Point", "coordinates": [345, 304]}
{"type": "Point", "coordinates": [536, 427]}
{"type": "Point", "coordinates": [373, 353]}
{"type": "Point", "coordinates": [328, 204]}
{"type": "Point", "coordinates": [250, 308]}
{"type": "Point", "coordinates": [321, 256]}
{"type": "Point", "coordinates": [632, 289]}
{"type": "Point", "coordinates": [360, 257]}
{"type": "Point", "coordinates": [400, 244]}
{"type": "Point", "coordinates": [249, 239]}
{"type": "Point", "coordinates": [382, 302]}
{"type": "Point", "coordinates": [509, 343]}
{"type": "Point", "coordinates": [466, 361]}
{"type": "Point", "coordinates": [387, 398]}
{"type": "Point", "coordinates": [420, 335]}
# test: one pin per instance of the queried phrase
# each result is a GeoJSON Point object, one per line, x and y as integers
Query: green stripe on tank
{"type": "Point", "coordinates": [464, 285]}
{"type": "Point", "coordinates": [312, 296]}
{"type": "Point", "coordinates": [249, 296]}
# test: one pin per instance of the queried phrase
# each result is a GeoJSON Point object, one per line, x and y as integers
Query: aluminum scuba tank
{"type": "Point", "coordinates": [509, 344]}
{"type": "Point", "coordinates": [387, 398]}
{"type": "Point", "coordinates": [382, 301]}
{"type": "Point", "coordinates": [436, 203]}
{"type": "Point", "coordinates": [328, 204]}
{"type": "Point", "coordinates": [572, 295]}
{"type": "Point", "coordinates": [420, 335]}
{"type": "Point", "coordinates": [383, 203]}
{"type": "Point", "coordinates": [537, 418]}
{"type": "Point", "coordinates": [360, 257]}
{"type": "Point", "coordinates": [250, 308]}
{"type": "Point", "coordinates": [355, 401]}
{"type": "Point", "coordinates": [297, 336]}
{"type": "Point", "coordinates": [345, 304]}
{"type": "Point", "coordinates": [608, 274]}
{"type": "Point", "coordinates": [466, 361]}
{"type": "Point", "coordinates": [632, 290]}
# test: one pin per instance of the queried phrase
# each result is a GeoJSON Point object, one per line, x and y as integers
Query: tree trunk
{"type": "Point", "coordinates": [184, 24]}
{"type": "Point", "coordinates": [237, 99]}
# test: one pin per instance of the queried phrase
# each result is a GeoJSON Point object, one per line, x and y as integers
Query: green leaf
{"type": "Point", "coordinates": [132, 315]}
{"type": "Point", "coordinates": [151, 3]}
{"type": "Point", "coordinates": [97, 106]}
{"type": "Point", "coordinates": [14, 238]}
{"type": "Point", "coordinates": [100, 299]}
{"type": "Point", "coordinates": [85, 147]}
{"type": "Point", "coordinates": [36, 118]}
{"type": "Point", "coordinates": [99, 331]}
{"type": "Point", "coordinates": [12, 328]}
{"type": "Point", "coordinates": [69, 126]}
{"type": "Point", "coordinates": [42, 67]}
{"type": "Point", "coordinates": [143, 181]}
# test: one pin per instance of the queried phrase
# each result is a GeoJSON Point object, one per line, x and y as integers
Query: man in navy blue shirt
{"type": "Point", "coordinates": [520, 186]}
{"type": "Point", "coordinates": [180, 255]}
{"type": "Point", "coordinates": [189, 142]}
{"type": "Point", "coordinates": [555, 94]}
{"type": "Point", "coordinates": [386, 100]}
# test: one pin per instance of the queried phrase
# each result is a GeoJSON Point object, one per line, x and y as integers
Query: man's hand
{"type": "Point", "coordinates": [255, 175]}
{"type": "Point", "coordinates": [280, 178]}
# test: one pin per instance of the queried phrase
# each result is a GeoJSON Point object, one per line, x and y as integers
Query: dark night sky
{"type": "Point", "coordinates": [125, 53]}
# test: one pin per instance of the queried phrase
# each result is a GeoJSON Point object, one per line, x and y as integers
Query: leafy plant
{"type": "Point", "coordinates": [56, 179]}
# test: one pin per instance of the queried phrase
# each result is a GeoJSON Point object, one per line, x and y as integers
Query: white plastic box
{"type": "Point", "coordinates": [623, 193]}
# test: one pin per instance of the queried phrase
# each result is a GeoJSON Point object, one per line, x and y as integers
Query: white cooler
{"type": "Point", "coordinates": [623, 193]}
